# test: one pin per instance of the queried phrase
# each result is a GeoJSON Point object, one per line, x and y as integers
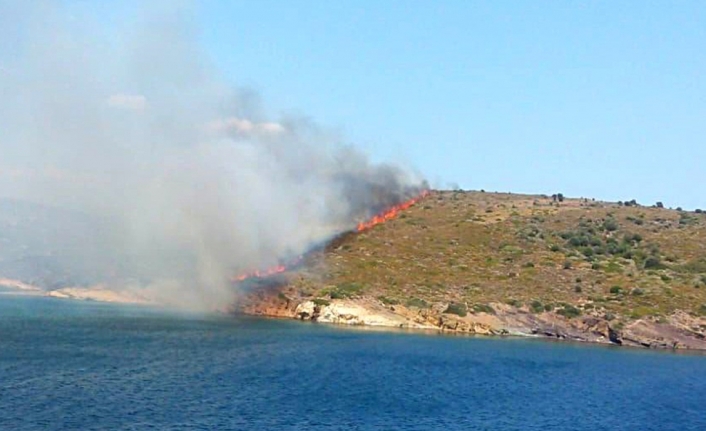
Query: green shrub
{"type": "Point", "coordinates": [616, 290]}
{"type": "Point", "coordinates": [632, 238]}
{"type": "Point", "coordinates": [567, 264]}
{"type": "Point", "coordinates": [457, 309]}
{"type": "Point", "coordinates": [653, 262]}
{"type": "Point", "coordinates": [321, 302]}
{"type": "Point", "coordinates": [514, 302]}
{"type": "Point", "coordinates": [536, 307]}
{"type": "Point", "coordinates": [637, 292]}
{"type": "Point", "coordinates": [610, 225]}
{"type": "Point", "coordinates": [569, 311]}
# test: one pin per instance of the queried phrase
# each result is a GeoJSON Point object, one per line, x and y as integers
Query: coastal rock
{"type": "Point", "coordinates": [355, 312]}
{"type": "Point", "coordinates": [651, 334]}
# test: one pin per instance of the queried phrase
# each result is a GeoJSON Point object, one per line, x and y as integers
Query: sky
{"type": "Point", "coordinates": [597, 99]}
{"type": "Point", "coordinates": [591, 99]}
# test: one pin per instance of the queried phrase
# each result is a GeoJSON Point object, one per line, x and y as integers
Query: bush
{"type": "Point", "coordinates": [616, 290]}
{"type": "Point", "coordinates": [653, 262]}
{"type": "Point", "coordinates": [536, 307]}
{"type": "Point", "coordinates": [610, 225]}
{"type": "Point", "coordinates": [632, 238]}
{"type": "Point", "coordinates": [514, 303]}
{"type": "Point", "coordinates": [569, 311]}
{"type": "Point", "coordinates": [637, 292]}
{"type": "Point", "coordinates": [567, 264]}
{"type": "Point", "coordinates": [457, 309]}
{"type": "Point", "coordinates": [321, 302]}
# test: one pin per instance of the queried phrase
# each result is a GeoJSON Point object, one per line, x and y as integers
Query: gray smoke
{"type": "Point", "coordinates": [189, 182]}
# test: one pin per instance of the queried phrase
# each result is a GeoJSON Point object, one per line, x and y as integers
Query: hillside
{"type": "Point", "coordinates": [506, 263]}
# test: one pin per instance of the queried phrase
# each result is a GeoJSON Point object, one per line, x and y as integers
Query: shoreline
{"type": "Point", "coordinates": [680, 333]}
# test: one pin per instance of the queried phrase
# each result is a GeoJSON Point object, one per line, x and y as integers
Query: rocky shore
{"type": "Point", "coordinates": [678, 331]}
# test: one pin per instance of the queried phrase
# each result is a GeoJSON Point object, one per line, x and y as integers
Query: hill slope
{"type": "Point", "coordinates": [505, 263]}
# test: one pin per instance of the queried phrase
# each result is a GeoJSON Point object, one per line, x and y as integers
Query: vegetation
{"type": "Point", "coordinates": [569, 311]}
{"type": "Point", "coordinates": [574, 257]}
{"type": "Point", "coordinates": [321, 302]}
{"type": "Point", "coordinates": [457, 309]}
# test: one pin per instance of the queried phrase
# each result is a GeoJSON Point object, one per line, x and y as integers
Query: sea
{"type": "Point", "coordinates": [71, 365]}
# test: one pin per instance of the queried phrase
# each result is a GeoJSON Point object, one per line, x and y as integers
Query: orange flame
{"type": "Point", "coordinates": [390, 213]}
{"type": "Point", "coordinates": [261, 274]}
{"type": "Point", "coordinates": [380, 218]}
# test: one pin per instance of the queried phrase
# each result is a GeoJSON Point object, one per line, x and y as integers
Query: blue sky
{"type": "Point", "coordinates": [598, 99]}
{"type": "Point", "coordinates": [595, 99]}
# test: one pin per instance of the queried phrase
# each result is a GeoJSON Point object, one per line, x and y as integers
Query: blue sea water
{"type": "Point", "coordinates": [81, 366]}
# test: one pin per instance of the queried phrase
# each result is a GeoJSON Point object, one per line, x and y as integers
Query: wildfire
{"type": "Point", "coordinates": [380, 218]}
{"type": "Point", "coordinates": [261, 274]}
{"type": "Point", "coordinates": [390, 213]}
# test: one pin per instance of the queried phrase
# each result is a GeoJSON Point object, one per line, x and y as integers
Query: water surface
{"type": "Point", "coordinates": [83, 365]}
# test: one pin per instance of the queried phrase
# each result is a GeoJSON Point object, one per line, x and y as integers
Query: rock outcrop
{"type": "Point", "coordinates": [680, 331]}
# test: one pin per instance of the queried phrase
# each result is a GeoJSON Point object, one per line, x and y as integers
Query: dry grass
{"type": "Point", "coordinates": [477, 248]}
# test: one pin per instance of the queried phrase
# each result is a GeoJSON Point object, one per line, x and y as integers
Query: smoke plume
{"type": "Point", "coordinates": [188, 181]}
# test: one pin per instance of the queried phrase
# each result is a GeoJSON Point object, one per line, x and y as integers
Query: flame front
{"type": "Point", "coordinates": [390, 213]}
{"type": "Point", "coordinates": [376, 220]}
{"type": "Point", "coordinates": [260, 274]}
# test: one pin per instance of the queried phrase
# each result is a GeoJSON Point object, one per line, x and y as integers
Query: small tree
{"type": "Point", "coordinates": [653, 262]}
{"type": "Point", "coordinates": [659, 205]}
